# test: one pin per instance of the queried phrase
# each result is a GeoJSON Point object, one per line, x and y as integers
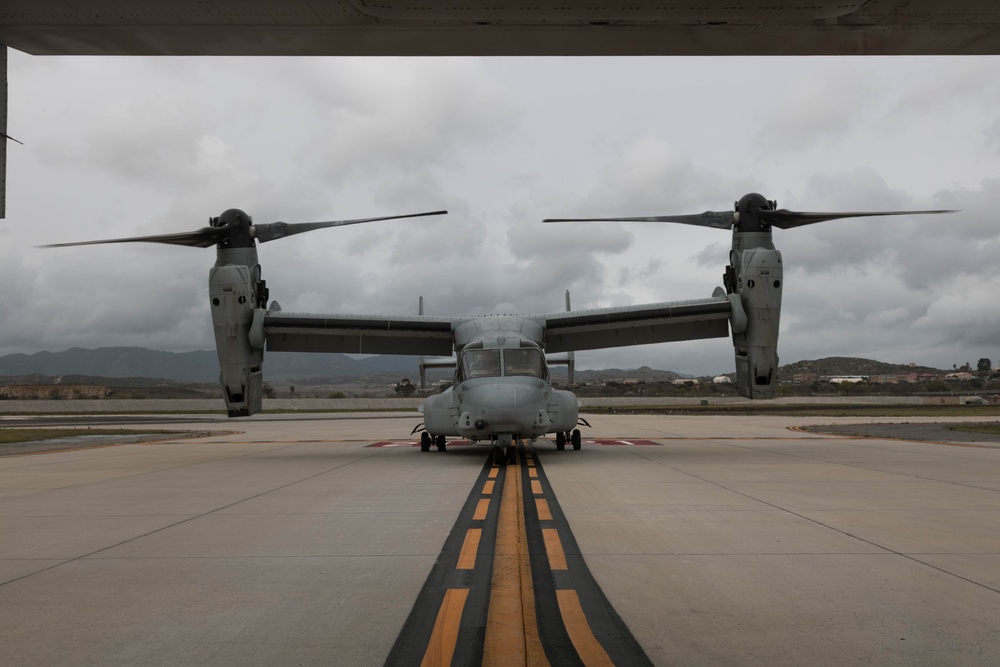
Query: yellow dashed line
{"type": "Point", "coordinates": [554, 548]}
{"type": "Point", "coordinates": [481, 509]}
{"type": "Point", "coordinates": [511, 627]}
{"type": "Point", "coordinates": [488, 488]}
{"type": "Point", "coordinates": [590, 650]}
{"type": "Point", "coordinates": [467, 557]}
{"type": "Point", "coordinates": [542, 505]}
{"type": "Point", "coordinates": [536, 487]}
{"type": "Point", "coordinates": [441, 647]}
{"type": "Point", "coordinates": [533, 473]}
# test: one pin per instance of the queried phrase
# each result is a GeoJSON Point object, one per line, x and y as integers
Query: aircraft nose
{"type": "Point", "coordinates": [506, 408]}
{"type": "Point", "coordinates": [505, 398]}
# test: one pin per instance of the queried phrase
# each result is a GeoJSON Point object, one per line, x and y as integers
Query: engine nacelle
{"type": "Point", "coordinates": [758, 282]}
{"type": "Point", "coordinates": [233, 297]}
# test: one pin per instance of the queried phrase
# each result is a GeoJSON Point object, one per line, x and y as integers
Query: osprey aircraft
{"type": "Point", "coordinates": [501, 392]}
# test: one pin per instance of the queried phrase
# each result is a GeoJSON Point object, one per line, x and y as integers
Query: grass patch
{"type": "Point", "coordinates": [990, 429]}
{"type": "Point", "coordinates": [12, 435]}
{"type": "Point", "coordinates": [819, 409]}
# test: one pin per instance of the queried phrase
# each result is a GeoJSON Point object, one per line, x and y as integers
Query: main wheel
{"type": "Point", "coordinates": [425, 442]}
{"type": "Point", "coordinates": [560, 441]}
{"type": "Point", "coordinates": [440, 443]}
{"type": "Point", "coordinates": [575, 438]}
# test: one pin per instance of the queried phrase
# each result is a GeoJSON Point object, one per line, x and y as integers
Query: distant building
{"type": "Point", "coordinates": [803, 378]}
{"type": "Point", "coordinates": [722, 379]}
{"type": "Point", "coordinates": [920, 377]}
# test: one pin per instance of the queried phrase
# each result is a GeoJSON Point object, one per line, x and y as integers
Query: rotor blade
{"type": "Point", "coordinates": [785, 219]}
{"type": "Point", "coordinates": [277, 230]}
{"type": "Point", "coordinates": [205, 237]}
{"type": "Point", "coordinates": [717, 219]}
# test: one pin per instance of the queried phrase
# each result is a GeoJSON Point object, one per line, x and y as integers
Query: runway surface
{"type": "Point", "coordinates": [296, 540]}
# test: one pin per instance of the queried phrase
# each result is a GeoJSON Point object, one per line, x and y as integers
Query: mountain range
{"type": "Point", "coordinates": [203, 366]}
{"type": "Point", "coordinates": [196, 366]}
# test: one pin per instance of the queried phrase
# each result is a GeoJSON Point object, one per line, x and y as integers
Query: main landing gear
{"type": "Point", "coordinates": [574, 439]}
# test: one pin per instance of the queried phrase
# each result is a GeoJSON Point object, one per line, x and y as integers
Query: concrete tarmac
{"type": "Point", "coordinates": [718, 540]}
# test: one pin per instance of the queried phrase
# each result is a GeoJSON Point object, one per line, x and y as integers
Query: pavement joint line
{"type": "Point", "coordinates": [158, 470]}
{"type": "Point", "coordinates": [817, 522]}
{"type": "Point", "coordinates": [908, 476]}
{"type": "Point", "coordinates": [189, 518]}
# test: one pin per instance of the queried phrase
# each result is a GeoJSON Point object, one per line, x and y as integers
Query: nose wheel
{"type": "Point", "coordinates": [505, 449]}
{"type": "Point", "coordinates": [426, 441]}
{"type": "Point", "coordinates": [574, 438]}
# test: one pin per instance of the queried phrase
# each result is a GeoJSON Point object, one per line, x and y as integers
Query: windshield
{"type": "Point", "coordinates": [480, 363]}
{"type": "Point", "coordinates": [523, 362]}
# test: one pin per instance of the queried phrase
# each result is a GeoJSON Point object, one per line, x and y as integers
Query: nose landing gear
{"type": "Point", "coordinates": [505, 449]}
{"type": "Point", "coordinates": [426, 440]}
{"type": "Point", "coordinates": [574, 439]}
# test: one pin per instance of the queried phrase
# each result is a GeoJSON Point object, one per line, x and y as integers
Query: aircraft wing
{"type": "Point", "coordinates": [358, 334]}
{"type": "Point", "coordinates": [637, 325]}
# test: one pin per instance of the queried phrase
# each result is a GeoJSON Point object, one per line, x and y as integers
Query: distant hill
{"type": "Point", "coordinates": [196, 366]}
{"type": "Point", "coordinates": [203, 366]}
{"type": "Point", "coordinates": [850, 366]}
{"type": "Point", "coordinates": [611, 374]}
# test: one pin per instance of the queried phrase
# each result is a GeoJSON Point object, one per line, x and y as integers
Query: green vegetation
{"type": "Point", "coordinates": [824, 409]}
{"type": "Point", "coordinates": [991, 429]}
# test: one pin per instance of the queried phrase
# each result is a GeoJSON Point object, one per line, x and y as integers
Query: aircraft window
{"type": "Point", "coordinates": [523, 362]}
{"type": "Point", "coordinates": [481, 363]}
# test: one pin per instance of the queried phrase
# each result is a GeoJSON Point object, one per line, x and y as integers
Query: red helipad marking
{"type": "Point", "coordinates": [416, 443]}
{"type": "Point", "coordinates": [622, 443]}
{"type": "Point", "coordinates": [466, 443]}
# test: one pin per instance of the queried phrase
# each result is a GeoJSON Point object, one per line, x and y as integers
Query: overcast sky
{"type": "Point", "coordinates": [124, 146]}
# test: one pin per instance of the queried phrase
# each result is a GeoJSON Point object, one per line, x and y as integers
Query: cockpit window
{"type": "Point", "coordinates": [523, 362]}
{"type": "Point", "coordinates": [480, 363]}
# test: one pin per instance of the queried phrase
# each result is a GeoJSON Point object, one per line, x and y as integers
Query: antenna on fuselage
{"type": "Point", "coordinates": [423, 368]}
{"type": "Point", "coordinates": [570, 356]}
{"type": "Point", "coordinates": [569, 360]}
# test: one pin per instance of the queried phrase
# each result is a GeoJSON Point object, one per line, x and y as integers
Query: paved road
{"type": "Point", "coordinates": [717, 540]}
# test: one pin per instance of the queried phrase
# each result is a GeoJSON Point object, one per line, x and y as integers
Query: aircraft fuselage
{"type": "Point", "coordinates": [490, 408]}
{"type": "Point", "coordinates": [501, 390]}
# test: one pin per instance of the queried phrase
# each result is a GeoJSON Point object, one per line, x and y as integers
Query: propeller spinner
{"type": "Point", "coordinates": [753, 213]}
{"type": "Point", "coordinates": [235, 229]}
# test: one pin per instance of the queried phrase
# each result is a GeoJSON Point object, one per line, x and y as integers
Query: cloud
{"type": "Point", "coordinates": [378, 115]}
{"type": "Point", "coordinates": [821, 106]}
{"type": "Point", "coordinates": [153, 145]}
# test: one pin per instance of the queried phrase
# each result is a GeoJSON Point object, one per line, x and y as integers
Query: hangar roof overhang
{"type": "Point", "coordinates": [542, 27]}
